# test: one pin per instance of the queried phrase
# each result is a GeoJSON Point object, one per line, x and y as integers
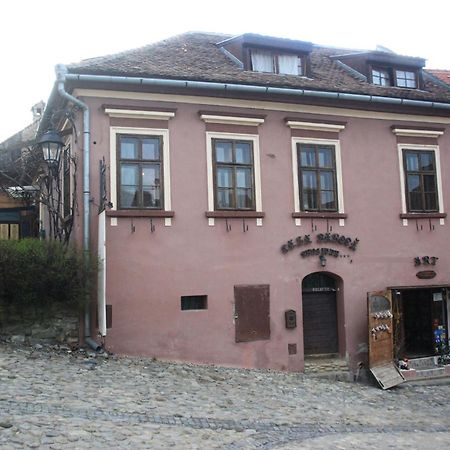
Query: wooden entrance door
{"type": "Point", "coordinates": [320, 333]}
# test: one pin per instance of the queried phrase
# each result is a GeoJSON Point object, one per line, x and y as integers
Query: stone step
{"type": "Point", "coordinates": [428, 362]}
{"type": "Point", "coordinates": [325, 365]}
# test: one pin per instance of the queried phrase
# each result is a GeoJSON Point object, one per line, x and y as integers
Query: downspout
{"type": "Point", "coordinates": [61, 72]}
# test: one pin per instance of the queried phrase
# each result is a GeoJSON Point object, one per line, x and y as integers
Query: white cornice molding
{"type": "Point", "coordinates": [313, 126]}
{"type": "Point", "coordinates": [417, 132]}
{"type": "Point", "coordinates": [231, 120]}
{"type": "Point", "coordinates": [139, 114]}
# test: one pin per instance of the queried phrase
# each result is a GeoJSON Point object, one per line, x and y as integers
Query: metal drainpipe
{"type": "Point", "coordinates": [61, 72]}
{"type": "Point", "coordinates": [229, 87]}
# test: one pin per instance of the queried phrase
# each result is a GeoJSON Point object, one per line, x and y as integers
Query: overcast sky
{"type": "Point", "coordinates": [35, 35]}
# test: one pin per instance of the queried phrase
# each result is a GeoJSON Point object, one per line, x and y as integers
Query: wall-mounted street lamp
{"type": "Point", "coordinates": [323, 261]}
{"type": "Point", "coordinates": [51, 144]}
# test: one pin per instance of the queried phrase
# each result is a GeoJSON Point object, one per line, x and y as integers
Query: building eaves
{"type": "Point", "coordinates": [196, 57]}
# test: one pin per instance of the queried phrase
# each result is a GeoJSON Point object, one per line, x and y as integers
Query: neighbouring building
{"type": "Point", "coordinates": [245, 194]}
{"type": "Point", "coordinates": [18, 205]}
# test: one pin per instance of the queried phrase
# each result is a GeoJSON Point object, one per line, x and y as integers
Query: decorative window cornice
{"type": "Point", "coordinates": [314, 126]}
{"type": "Point", "coordinates": [139, 114]}
{"type": "Point", "coordinates": [232, 120]}
{"type": "Point", "coordinates": [410, 132]}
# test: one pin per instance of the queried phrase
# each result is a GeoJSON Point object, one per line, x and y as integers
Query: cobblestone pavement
{"type": "Point", "coordinates": [61, 400]}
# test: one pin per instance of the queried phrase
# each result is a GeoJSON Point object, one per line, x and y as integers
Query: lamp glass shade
{"type": "Point", "coordinates": [51, 144]}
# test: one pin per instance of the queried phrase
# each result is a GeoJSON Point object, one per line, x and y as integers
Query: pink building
{"type": "Point", "coordinates": [246, 193]}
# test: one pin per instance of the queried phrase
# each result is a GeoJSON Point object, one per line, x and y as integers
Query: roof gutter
{"type": "Point", "coordinates": [61, 77]}
{"type": "Point", "coordinates": [235, 88]}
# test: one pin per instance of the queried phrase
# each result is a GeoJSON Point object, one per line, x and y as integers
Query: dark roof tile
{"type": "Point", "coordinates": [195, 56]}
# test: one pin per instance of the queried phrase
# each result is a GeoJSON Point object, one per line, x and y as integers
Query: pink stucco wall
{"type": "Point", "coordinates": [148, 272]}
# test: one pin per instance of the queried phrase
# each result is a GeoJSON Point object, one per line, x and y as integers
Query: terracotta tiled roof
{"type": "Point", "coordinates": [443, 75]}
{"type": "Point", "coordinates": [195, 56]}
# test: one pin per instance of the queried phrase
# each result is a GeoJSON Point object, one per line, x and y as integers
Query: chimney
{"type": "Point", "coordinates": [38, 110]}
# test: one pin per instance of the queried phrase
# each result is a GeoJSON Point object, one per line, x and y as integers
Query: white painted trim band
{"type": "Point", "coordinates": [139, 114]}
{"type": "Point", "coordinates": [417, 133]}
{"type": "Point", "coordinates": [231, 120]}
{"type": "Point", "coordinates": [312, 126]}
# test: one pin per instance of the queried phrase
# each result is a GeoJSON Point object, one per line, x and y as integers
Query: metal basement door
{"type": "Point", "coordinates": [320, 323]}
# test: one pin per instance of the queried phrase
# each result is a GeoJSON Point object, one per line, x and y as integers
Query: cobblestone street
{"type": "Point", "coordinates": [62, 400]}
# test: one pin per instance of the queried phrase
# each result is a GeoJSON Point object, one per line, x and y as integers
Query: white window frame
{"type": "Point", "coordinates": [437, 159]}
{"type": "Point", "coordinates": [164, 134]}
{"type": "Point", "coordinates": [295, 176]}
{"type": "Point", "coordinates": [254, 139]}
{"type": "Point", "coordinates": [67, 143]}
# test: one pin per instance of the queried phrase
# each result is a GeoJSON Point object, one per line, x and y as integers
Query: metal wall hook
{"type": "Point", "coordinates": [133, 228]}
{"type": "Point", "coordinates": [152, 227]}
{"type": "Point", "coordinates": [244, 226]}
{"type": "Point", "coordinates": [227, 225]}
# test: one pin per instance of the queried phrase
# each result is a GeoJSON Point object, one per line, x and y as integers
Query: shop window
{"type": "Point", "coordinates": [192, 302]}
{"type": "Point", "coordinates": [317, 177]}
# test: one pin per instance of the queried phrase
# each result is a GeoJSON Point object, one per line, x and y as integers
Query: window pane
{"type": "Point", "coordinates": [243, 178]}
{"type": "Point", "coordinates": [307, 157]}
{"type": "Point", "coordinates": [225, 198]}
{"type": "Point", "coordinates": [224, 177]}
{"type": "Point", "coordinates": [412, 162]}
{"type": "Point", "coordinates": [326, 180]}
{"type": "Point", "coordinates": [129, 148]}
{"type": "Point", "coordinates": [151, 196]}
{"type": "Point", "coordinates": [243, 153]}
{"type": "Point", "coordinates": [405, 78]}
{"type": "Point", "coordinates": [426, 161]}
{"type": "Point", "coordinates": [244, 198]}
{"type": "Point", "coordinates": [309, 200]}
{"type": "Point", "coordinates": [129, 174]}
{"type": "Point", "coordinates": [151, 175]}
{"type": "Point", "coordinates": [224, 152]}
{"type": "Point", "coordinates": [325, 157]}
{"type": "Point", "coordinates": [327, 200]}
{"type": "Point", "coordinates": [150, 148]}
{"type": "Point", "coordinates": [431, 202]}
{"type": "Point", "coordinates": [262, 61]}
{"type": "Point", "coordinates": [128, 196]}
{"type": "Point", "coordinates": [309, 180]}
{"type": "Point", "coordinates": [288, 64]}
{"type": "Point", "coordinates": [415, 201]}
{"type": "Point", "coordinates": [414, 183]}
{"type": "Point", "coordinates": [429, 184]}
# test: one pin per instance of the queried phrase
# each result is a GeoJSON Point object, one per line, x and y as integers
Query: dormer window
{"type": "Point", "coordinates": [271, 62]}
{"type": "Point", "coordinates": [381, 77]}
{"type": "Point", "coordinates": [404, 78]}
{"type": "Point", "coordinates": [387, 76]}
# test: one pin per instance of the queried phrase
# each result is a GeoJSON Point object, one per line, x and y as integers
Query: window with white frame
{"type": "Point", "coordinates": [420, 178]}
{"type": "Point", "coordinates": [233, 172]}
{"type": "Point", "coordinates": [140, 169]}
{"type": "Point", "coordinates": [317, 176]}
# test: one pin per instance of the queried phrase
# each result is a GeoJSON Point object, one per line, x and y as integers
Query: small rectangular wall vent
{"type": "Point", "coordinates": [192, 302]}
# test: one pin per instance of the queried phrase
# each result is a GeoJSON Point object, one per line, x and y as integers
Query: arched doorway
{"type": "Point", "coordinates": [320, 327]}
